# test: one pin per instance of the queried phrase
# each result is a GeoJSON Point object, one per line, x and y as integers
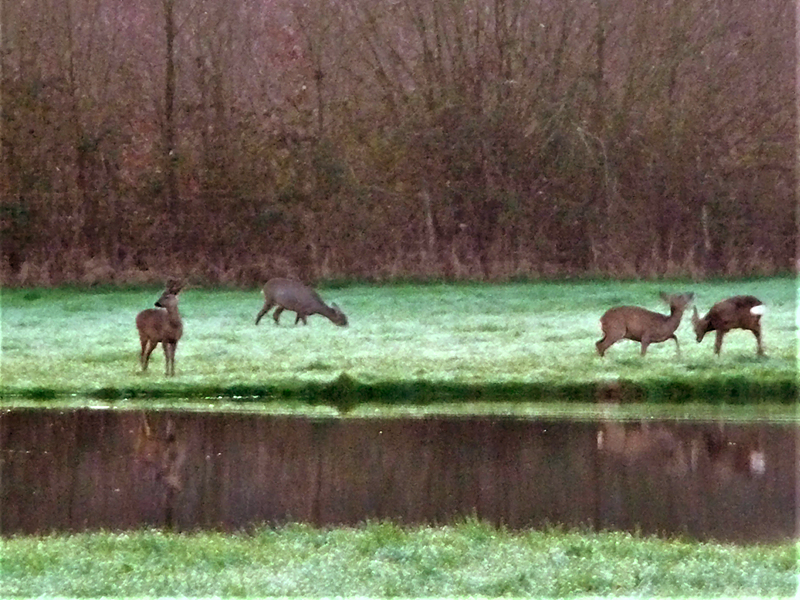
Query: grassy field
{"type": "Point", "coordinates": [406, 344]}
{"type": "Point", "coordinates": [385, 560]}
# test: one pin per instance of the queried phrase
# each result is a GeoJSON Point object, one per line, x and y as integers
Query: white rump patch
{"type": "Point", "coordinates": [758, 464]}
{"type": "Point", "coordinates": [758, 310]}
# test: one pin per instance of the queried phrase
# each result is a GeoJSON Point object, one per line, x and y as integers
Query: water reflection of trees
{"type": "Point", "coordinates": [90, 469]}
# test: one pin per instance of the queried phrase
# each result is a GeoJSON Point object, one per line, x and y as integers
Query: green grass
{"type": "Point", "coordinates": [406, 345]}
{"type": "Point", "coordinates": [384, 559]}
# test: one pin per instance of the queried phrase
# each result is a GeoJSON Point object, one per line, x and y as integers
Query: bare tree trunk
{"type": "Point", "coordinates": [797, 142]}
{"type": "Point", "coordinates": [170, 150]}
{"type": "Point", "coordinates": [599, 70]}
{"type": "Point", "coordinates": [430, 229]}
{"type": "Point", "coordinates": [315, 30]}
{"type": "Point", "coordinates": [5, 184]}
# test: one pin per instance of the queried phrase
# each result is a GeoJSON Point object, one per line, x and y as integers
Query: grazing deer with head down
{"type": "Point", "coordinates": [737, 312]}
{"type": "Point", "coordinates": [288, 294]}
{"type": "Point", "coordinates": [641, 325]}
{"type": "Point", "coordinates": [162, 324]}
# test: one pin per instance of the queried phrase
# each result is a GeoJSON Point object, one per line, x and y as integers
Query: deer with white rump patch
{"type": "Point", "coordinates": [162, 324]}
{"type": "Point", "coordinates": [737, 312]}
{"type": "Point", "coordinates": [288, 294]}
{"type": "Point", "coordinates": [641, 325]}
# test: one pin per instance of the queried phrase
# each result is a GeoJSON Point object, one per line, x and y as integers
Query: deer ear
{"type": "Point", "coordinates": [174, 286]}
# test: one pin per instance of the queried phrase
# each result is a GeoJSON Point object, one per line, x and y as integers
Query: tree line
{"type": "Point", "coordinates": [228, 141]}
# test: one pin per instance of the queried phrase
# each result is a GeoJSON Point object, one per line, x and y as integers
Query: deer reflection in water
{"type": "Point", "coordinates": [162, 456]}
{"type": "Point", "coordinates": [88, 469]}
{"type": "Point", "coordinates": [711, 450]}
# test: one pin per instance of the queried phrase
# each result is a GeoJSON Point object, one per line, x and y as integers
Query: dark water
{"type": "Point", "coordinates": [92, 469]}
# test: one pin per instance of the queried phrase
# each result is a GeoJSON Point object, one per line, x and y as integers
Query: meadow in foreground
{"type": "Point", "coordinates": [60, 342]}
{"type": "Point", "coordinates": [384, 560]}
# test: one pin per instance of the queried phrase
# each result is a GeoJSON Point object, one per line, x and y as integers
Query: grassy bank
{"type": "Point", "coordinates": [383, 559]}
{"type": "Point", "coordinates": [406, 344]}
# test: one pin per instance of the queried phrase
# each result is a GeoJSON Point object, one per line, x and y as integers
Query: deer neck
{"type": "Point", "coordinates": [674, 319]}
{"type": "Point", "coordinates": [174, 318]}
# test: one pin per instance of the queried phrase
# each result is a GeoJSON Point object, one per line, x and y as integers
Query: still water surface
{"type": "Point", "coordinates": [90, 469]}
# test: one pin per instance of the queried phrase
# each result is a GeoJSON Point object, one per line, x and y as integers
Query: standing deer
{"type": "Point", "coordinates": [162, 324]}
{"type": "Point", "coordinates": [737, 312]}
{"type": "Point", "coordinates": [641, 325]}
{"type": "Point", "coordinates": [288, 294]}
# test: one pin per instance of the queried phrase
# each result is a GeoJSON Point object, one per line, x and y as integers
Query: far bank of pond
{"type": "Point", "coordinates": [345, 393]}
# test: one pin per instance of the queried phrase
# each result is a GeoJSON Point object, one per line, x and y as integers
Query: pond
{"type": "Point", "coordinates": [90, 469]}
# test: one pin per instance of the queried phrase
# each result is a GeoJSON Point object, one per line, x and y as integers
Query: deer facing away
{"type": "Point", "coordinates": [162, 324]}
{"type": "Point", "coordinates": [641, 325]}
{"type": "Point", "coordinates": [288, 294]}
{"type": "Point", "coordinates": [737, 312]}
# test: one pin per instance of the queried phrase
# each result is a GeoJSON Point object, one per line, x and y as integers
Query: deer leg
{"type": "Point", "coordinates": [609, 339]}
{"type": "Point", "coordinates": [677, 345]}
{"type": "Point", "coordinates": [265, 310]}
{"type": "Point", "coordinates": [757, 332]}
{"type": "Point", "coordinates": [151, 346]}
{"type": "Point", "coordinates": [599, 345]}
{"type": "Point", "coordinates": [718, 341]}
{"type": "Point", "coordinates": [277, 314]}
{"type": "Point", "coordinates": [169, 351]}
{"type": "Point", "coordinates": [172, 352]}
{"type": "Point", "coordinates": [645, 341]}
{"type": "Point", "coordinates": [167, 356]}
{"type": "Point", "coordinates": [611, 335]}
{"type": "Point", "coordinates": [142, 363]}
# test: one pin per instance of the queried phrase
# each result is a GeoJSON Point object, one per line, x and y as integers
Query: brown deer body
{"type": "Point", "coordinates": [288, 294]}
{"type": "Point", "coordinates": [737, 312]}
{"type": "Point", "coordinates": [162, 325]}
{"type": "Point", "coordinates": [641, 325]}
